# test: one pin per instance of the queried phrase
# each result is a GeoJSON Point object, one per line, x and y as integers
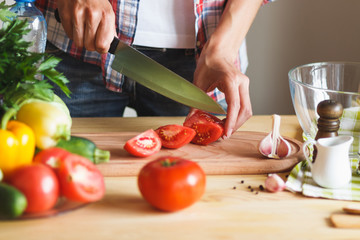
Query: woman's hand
{"type": "Point", "coordinates": [216, 65]}
{"type": "Point", "coordinates": [218, 71]}
{"type": "Point", "coordinates": [89, 23]}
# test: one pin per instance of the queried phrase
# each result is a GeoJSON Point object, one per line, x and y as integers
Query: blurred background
{"type": "Point", "coordinates": [288, 33]}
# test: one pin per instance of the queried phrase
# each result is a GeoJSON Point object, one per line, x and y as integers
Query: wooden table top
{"type": "Point", "coordinates": [228, 209]}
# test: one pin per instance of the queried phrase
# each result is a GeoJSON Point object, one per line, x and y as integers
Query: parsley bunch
{"type": "Point", "coordinates": [19, 67]}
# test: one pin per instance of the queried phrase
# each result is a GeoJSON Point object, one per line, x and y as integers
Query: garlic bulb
{"type": "Point", "coordinates": [273, 145]}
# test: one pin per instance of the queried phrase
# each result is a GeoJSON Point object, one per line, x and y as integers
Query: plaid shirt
{"type": "Point", "coordinates": [207, 12]}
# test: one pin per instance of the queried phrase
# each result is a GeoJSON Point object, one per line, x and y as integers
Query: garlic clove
{"type": "Point", "coordinates": [273, 145]}
{"type": "Point", "coordinates": [284, 148]}
{"type": "Point", "coordinates": [266, 145]}
{"type": "Point", "coordinates": [274, 183]}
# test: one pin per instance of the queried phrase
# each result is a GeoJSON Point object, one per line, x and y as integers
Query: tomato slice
{"type": "Point", "coordinates": [208, 127]}
{"type": "Point", "coordinates": [175, 136]}
{"type": "Point", "coordinates": [144, 144]}
{"type": "Point", "coordinates": [80, 180]}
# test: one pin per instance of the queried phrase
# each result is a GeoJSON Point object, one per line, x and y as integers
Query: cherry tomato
{"type": "Point", "coordinates": [208, 127]}
{"type": "Point", "coordinates": [171, 183]}
{"type": "Point", "coordinates": [39, 184]}
{"type": "Point", "coordinates": [144, 144]}
{"type": "Point", "coordinates": [51, 157]}
{"type": "Point", "coordinates": [175, 136]}
{"type": "Point", "coordinates": [80, 180]}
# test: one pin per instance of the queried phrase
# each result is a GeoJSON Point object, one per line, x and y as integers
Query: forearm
{"type": "Point", "coordinates": [234, 24]}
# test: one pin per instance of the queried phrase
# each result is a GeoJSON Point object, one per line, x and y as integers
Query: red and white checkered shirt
{"type": "Point", "coordinates": [207, 13]}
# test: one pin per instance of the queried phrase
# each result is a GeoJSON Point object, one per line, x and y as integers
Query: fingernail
{"type": "Point", "coordinates": [228, 134]}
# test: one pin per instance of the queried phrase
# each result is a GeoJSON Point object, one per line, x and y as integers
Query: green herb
{"type": "Point", "coordinates": [5, 15]}
{"type": "Point", "coordinates": [19, 67]}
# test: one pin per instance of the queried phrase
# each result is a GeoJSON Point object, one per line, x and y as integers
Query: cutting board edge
{"type": "Point", "coordinates": [221, 169]}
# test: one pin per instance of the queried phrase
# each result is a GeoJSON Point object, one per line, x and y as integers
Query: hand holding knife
{"type": "Point", "coordinates": [156, 77]}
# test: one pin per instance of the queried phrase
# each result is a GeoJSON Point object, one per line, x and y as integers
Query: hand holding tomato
{"type": "Point", "coordinates": [216, 68]}
{"type": "Point", "coordinates": [171, 183]}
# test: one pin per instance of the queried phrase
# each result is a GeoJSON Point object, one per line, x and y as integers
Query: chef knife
{"type": "Point", "coordinates": [158, 78]}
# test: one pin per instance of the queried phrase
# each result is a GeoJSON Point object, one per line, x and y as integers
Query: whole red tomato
{"type": "Point", "coordinates": [171, 183]}
{"type": "Point", "coordinates": [39, 184]}
{"type": "Point", "coordinates": [51, 157]}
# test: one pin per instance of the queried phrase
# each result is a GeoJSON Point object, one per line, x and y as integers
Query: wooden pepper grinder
{"type": "Point", "coordinates": [328, 123]}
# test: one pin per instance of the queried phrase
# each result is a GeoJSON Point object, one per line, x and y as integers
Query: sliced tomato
{"type": "Point", "coordinates": [80, 180]}
{"type": "Point", "coordinates": [208, 127]}
{"type": "Point", "coordinates": [144, 144]}
{"type": "Point", "coordinates": [175, 136]}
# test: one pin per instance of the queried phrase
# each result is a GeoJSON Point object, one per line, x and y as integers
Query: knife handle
{"type": "Point", "coordinates": [113, 45]}
{"type": "Point", "coordinates": [57, 16]}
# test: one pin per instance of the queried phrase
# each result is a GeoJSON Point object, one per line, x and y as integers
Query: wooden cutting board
{"type": "Point", "coordinates": [236, 155]}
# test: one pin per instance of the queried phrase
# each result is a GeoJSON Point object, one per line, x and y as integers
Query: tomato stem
{"type": "Point", "coordinates": [167, 163]}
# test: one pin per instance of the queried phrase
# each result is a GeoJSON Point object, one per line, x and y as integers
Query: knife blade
{"type": "Point", "coordinates": [158, 78]}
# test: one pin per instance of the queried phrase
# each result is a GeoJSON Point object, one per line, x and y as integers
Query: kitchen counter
{"type": "Point", "coordinates": [228, 209]}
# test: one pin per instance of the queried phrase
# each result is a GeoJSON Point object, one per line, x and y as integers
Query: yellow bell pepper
{"type": "Point", "coordinates": [17, 146]}
{"type": "Point", "coordinates": [49, 122]}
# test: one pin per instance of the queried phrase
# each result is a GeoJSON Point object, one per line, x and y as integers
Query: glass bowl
{"type": "Point", "coordinates": [312, 83]}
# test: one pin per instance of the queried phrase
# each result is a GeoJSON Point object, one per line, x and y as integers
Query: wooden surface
{"type": "Point", "coordinates": [228, 209]}
{"type": "Point", "coordinates": [237, 155]}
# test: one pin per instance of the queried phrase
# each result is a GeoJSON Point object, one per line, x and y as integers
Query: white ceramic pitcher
{"type": "Point", "coordinates": [332, 167]}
